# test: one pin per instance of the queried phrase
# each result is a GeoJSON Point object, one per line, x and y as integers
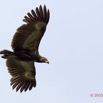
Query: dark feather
{"type": "Point", "coordinates": [29, 35]}
{"type": "Point", "coordinates": [23, 74]}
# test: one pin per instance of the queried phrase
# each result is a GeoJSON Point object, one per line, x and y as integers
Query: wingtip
{"type": "Point", "coordinates": [40, 13]}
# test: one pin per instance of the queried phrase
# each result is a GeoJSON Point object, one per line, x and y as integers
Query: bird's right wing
{"type": "Point", "coordinates": [23, 74]}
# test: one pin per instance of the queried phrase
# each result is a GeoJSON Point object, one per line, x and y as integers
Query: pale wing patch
{"type": "Point", "coordinates": [23, 74]}
{"type": "Point", "coordinates": [31, 42]}
{"type": "Point", "coordinates": [28, 66]}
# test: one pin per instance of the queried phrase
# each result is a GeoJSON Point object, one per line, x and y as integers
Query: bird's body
{"type": "Point", "coordinates": [25, 45]}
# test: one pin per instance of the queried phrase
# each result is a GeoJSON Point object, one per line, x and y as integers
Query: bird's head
{"type": "Point", "coordinates": [44, 60]}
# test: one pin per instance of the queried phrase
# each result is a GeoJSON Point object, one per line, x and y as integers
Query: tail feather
{"type": "Point", "coordinates": [6, 53]}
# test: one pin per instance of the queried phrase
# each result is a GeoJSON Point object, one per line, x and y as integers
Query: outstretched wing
{"type": "Point", "coordinates": [29, 35]}
{"type": "Point", "coordinates": [23, 74]}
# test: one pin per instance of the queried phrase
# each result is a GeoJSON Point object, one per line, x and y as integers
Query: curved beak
{"type": "Point", "coordinates": [47, 62]}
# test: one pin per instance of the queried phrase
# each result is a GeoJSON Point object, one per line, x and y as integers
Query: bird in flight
{"type": "Point", "coordinates": [25, 44]}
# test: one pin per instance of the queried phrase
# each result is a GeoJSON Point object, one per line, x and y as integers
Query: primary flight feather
{"type": "Point", "coordinates": [25, 45]}
{"type": "Point", "coordinates": [30, 34]}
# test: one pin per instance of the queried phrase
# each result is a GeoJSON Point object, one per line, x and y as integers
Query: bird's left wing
{"type": "Point", "coordinates": [29, 35]}
{"type": "Point", "coordinates": [23, 74]}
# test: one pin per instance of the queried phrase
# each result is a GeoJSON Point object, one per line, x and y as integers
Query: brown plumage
{"type": "Point", "coordinates": [25, 45]}
{"type": "Point", "coordinates": [23, 74]}
{"type": "Point", "coordinates": [30, 34]}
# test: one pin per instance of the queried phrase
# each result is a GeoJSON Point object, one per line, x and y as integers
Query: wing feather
{"type": "Point", "coordinates": [41, 13]}
{"type": "Point", "coordinates": [34, 14]}
{"type": "Point", "coordinates": [38, 13]}
{"type": "Point", "coordinates": [34, 29]}
{"type": "Point", "coordinates": [23, 74]}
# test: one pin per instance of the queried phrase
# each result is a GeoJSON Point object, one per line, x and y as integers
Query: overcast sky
{"type": "Point", "coordinates": [73, 43]}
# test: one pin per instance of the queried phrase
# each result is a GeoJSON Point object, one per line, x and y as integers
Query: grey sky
{"type": "Point", "coordinates": [73, 43]}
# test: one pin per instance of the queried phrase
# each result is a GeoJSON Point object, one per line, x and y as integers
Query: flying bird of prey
{"type": "Point", "coordinates": [25, 44]}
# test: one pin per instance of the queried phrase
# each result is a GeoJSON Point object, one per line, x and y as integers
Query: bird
{"type": "Point", "coordinates": [25, 44]}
